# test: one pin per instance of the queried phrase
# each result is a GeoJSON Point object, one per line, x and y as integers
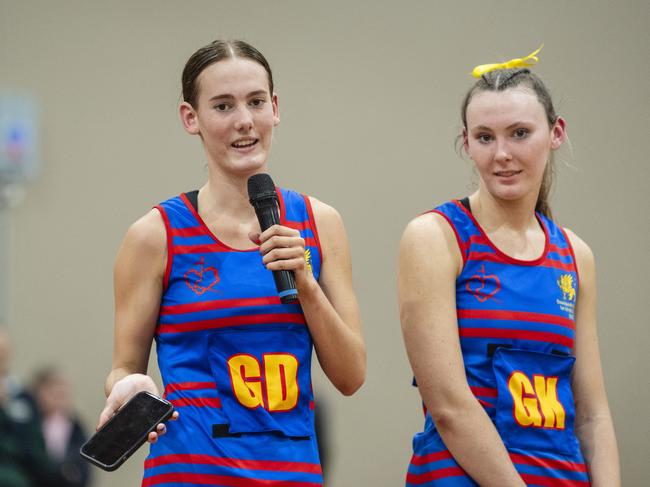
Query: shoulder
{"type": "Point", "coordinates": [431, 235]}
{"type": "Point", "coordinates": [585, 260]}
{"type": "Point", "coordinates": [147, 232]}
{"type": "Point", "coordinates": [331, 232]}
{"type": "Point", "coordinates": [581, 250]}
{"type": "Point", "coordinates": [329, 225]}
{"type": "Point", "coordinates": [430, 228]}
{"type": "Point", "coordinates": [145, 240]}
{"type": "Point", "coordinates": [324, 213]}
{"type": "Point", "coordinates": [429, 261]}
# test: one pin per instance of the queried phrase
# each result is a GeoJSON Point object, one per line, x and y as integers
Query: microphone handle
{"type": "Point", "coordinates": [285, 283]}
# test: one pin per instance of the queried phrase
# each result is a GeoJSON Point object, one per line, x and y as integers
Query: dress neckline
{"type": "Point", "coordinates": [189, 201]}
{"type": "Point", "coordinates": [498, 251]}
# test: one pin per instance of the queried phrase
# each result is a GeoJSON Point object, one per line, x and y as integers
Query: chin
{"type": "Point", "coordinates": [251, 166]}
{"type": "Point", "coordinates": [508, 193]}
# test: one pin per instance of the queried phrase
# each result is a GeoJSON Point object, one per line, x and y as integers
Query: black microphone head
{"type": "Point", "coordinates": [260, 186]}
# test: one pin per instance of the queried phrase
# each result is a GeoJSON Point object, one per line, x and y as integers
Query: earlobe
{"type": "Point", "coordinates": [276, 110]}
{"type": "Point", "coordinates": [189, 118]}
{"type": "Point", "coordinates": [558, 133]}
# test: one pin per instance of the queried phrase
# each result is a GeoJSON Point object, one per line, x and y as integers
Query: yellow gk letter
{"type": "Point", "coordinates": [536, 406]}
{"type": "Point", "coordinates": [523, 394]}
{"type": "Point", "coordinates": [552, 409]}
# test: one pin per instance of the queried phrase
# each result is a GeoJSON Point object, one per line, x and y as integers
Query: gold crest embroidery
{"type": "Point", "coordinates": [566, 285]}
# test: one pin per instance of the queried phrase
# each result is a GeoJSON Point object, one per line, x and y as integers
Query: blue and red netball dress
{"type": "Point", "coordinates": [516, 324]}
{"type": "Point", "coordinates": [235, 362]}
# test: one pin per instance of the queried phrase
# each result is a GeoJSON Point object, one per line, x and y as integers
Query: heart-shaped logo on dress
{"type": "Point", "coordinates": [200, 278]}
{"type": "Point", "coordinates": [483, 286]}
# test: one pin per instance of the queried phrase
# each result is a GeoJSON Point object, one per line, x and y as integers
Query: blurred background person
{"type": "Point", "coordinates": [20, 442]}
{"type": "Point", "coordinates": [62, 431]}
{"type": "Point", "coordinates": [24, 460]}
{"type": "Point", "coordinates": [11, 470]}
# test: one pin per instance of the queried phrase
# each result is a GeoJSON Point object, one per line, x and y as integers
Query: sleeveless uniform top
{"type": "Point", "coordinates": [235, 362]}
{"type": "Point", "coordinates": [516, 324]}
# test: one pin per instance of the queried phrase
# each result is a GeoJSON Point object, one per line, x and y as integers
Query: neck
{"type": "Point", "coordinates": [227, 194]}
{"type": "Point", "coordinates": [493, 213]}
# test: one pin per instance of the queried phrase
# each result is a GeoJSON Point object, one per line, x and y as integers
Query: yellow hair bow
{"type": "Point", "coordinates": [524, 62]}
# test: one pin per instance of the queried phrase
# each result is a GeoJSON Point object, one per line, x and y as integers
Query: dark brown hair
{"type": "Point", "coordinates": [503, 79]}
{"type": "Point", "coordinates": [213, 53]}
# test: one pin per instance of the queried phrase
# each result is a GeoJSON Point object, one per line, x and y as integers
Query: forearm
{"type": "Point", "coordinates": [329, 306]}
{"type": "Point", "coordinates": [598, 445]}
{"type": "Point", "coordinates": [472, 439]}
{"type": "Point", "coordinates": [593, 422]}
{"type": "Point", "coordinates": [340, 347]}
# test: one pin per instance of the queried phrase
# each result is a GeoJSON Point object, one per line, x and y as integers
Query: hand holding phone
{"type": "Point", "coordinates": [126, 431]}
{"type": "Point", "coordinates": [124, 389]}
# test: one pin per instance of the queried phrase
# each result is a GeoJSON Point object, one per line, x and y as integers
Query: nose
{"type": "Point", "coordinates": [244, 120]}
{"type": "Point", "coordinates": [502, 153]}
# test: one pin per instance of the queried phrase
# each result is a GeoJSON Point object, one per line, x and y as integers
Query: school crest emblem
{"type": "Point", "coordinates": [483, 286]}
{"type": "Point", "coordinates": [565, 282]}
{"type": "Point", "coordinates": [201, 278]}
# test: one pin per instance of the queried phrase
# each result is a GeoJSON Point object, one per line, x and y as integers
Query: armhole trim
{"type": "Point", "coordinates": [314, 229]}
{"type": "Point", "coordinates": [170, 252]}
{"type": "Point", "coordinates": [573, 256]}
{"type": "Point", "coordinates": [461, 245]}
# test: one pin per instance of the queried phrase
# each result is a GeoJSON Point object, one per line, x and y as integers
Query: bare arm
{"type": "Point", "coordinates": [138, 282]}
{"type": "Point", "coordinates": [330, 305]}
{"type": "Point", "coordinates": [428, 266]}
{"type": "Point", "coordinates": [593, 424]}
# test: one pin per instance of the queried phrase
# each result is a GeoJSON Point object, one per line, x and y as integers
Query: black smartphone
{"type": "Point", "coordinates": [126, 431]}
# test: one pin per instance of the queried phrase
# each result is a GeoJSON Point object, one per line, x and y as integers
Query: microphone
{"type": "Point", "coordinates": [262, 195]}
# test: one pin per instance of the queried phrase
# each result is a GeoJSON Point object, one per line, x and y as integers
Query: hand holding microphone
{"type": "Point", "coordinates": [261, 191]}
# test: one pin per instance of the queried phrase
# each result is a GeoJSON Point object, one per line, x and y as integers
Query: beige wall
{"type": "Point", "coordinates": [369, 96]}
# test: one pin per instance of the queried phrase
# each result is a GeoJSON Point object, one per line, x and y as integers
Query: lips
{"type": "Point", "coordinates": [507, 174]}
{"type": "Point", "coordinates": [244, 143]}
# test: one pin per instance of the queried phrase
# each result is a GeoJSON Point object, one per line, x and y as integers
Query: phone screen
{"type": "Point", "coordinates": [127, 430]}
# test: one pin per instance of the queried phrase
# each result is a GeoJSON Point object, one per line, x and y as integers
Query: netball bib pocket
{"type": "Point", "coordinates": [263, 378]}
{"type": "Point", "coordinates": [535, 408]}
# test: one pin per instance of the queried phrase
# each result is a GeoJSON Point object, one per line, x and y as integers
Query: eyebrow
{"type": "Point", "coordinates": [228, 96]}
{"type": "Point", "coordinates": [511, 126]}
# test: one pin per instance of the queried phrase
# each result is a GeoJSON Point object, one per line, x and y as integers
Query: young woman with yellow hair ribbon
{"type": "Point", "coordinates": [498, 311]}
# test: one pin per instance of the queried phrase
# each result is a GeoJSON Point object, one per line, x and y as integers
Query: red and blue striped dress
{"type": "Point", "coordinates": [235, 362]}
{"type": "Point", "coordinates": [516, 324]}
